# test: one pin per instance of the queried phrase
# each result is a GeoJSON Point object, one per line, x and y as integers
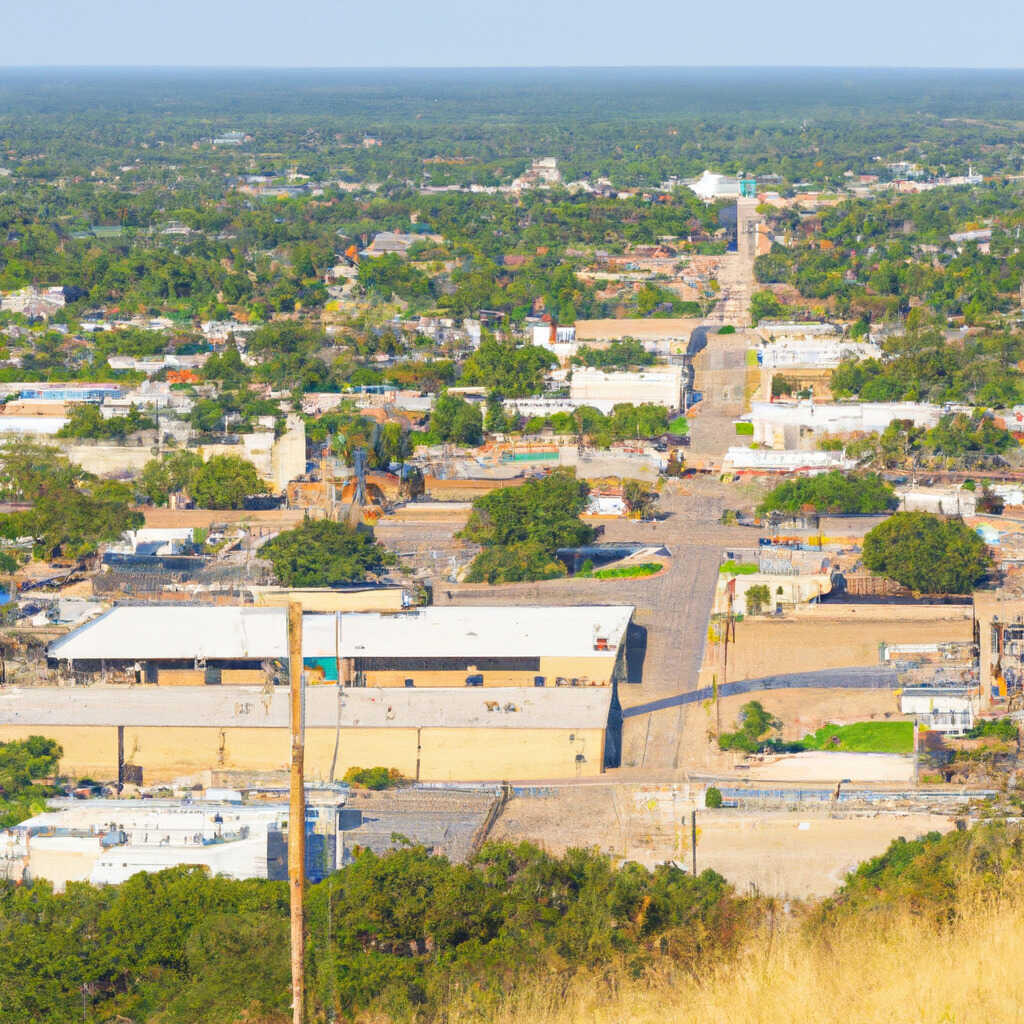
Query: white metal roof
{"type": "Point", "coordinates": [498, 707]}
{"type": "Point", "coordinates": [167, 632]}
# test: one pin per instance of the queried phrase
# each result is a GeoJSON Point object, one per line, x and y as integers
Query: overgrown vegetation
{"type": "Point", "coordinates": [863, 737]}
{"type": "Point", "coordinates": [926, 553]}
{"type": "Point", "coordinates": [24, 765]}
{"type": "Point", "coordinates": [323, 553]}
{"type": "Point", "coordinates": [374, 778]}
{"type": "Point", "coordinates": [522, 527]}
{"type": "Point", "coordinates": [835, 492]}
{"type": "Point", "coordinates": [396, 937]}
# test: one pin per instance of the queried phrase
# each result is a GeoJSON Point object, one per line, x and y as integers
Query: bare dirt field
{"type": "Point", "coordinates": [783, 853]}
{"type": "Point", "coordinates": [767, 647]}
{"type": "Point", "coordinates": [799, 855]}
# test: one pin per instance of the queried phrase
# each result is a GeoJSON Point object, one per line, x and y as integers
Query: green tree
{"type": "Point", "coordinates": [225, 481]}
{"type": "Point", "coordinates": [834, 492]}
{"type": "Point", "coordinates": [322, 553]}
{"type": "Point", "coordinates": [510, 370]}
{"type": "Point", "coordinates": [764, 306]}
{"type": "Point", "coordinates": [160, 478]}
{"type": "Point", "coordinates": [928, 554]}
{"type": "Point", "coordinates": [639, 499]}
{"type": "Point", "coordinates": [456, 420]}
{"type": "Point", "coordinates": [74, 520]}
{"type": "Point", "coordinates": [522, 527]}
{"type": "Point", "coordinates": [758, 597]}
{"type": "Point", "coordinates": [22, 764]}
{"type": "Point", "coordinates": [755, 723]}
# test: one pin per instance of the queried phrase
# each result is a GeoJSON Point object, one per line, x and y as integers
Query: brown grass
{"type": "Point", "coordinates": [908, 971]}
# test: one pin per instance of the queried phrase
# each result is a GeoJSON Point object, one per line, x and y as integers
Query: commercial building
{"type": "Point", "coordinates": [662, 385]}
{"type": "Point", "coordinates": [151, 734]}
{"type": "Point", "coordinates": [105, 842]}
{"type": "Point", "coordinates": [767, 460]}
{"type": "Point", "coordinates": [420, 647]}
{"type": "Point", "coordinates": [443, 693]}
{"type": "Point", "coordinates": [239, 832]}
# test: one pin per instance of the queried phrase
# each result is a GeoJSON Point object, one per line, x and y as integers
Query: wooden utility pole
{"type": "Point", "coordinates": [297, 813]}
{"type": "Point", "coordinates": [693, 842]}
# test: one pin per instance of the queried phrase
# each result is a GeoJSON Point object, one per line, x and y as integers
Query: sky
{"type": "Point", "coordinates": [511, 33]}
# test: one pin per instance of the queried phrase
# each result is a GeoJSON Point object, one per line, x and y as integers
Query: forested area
{"type": "Point", "coordinates": [879, 257]}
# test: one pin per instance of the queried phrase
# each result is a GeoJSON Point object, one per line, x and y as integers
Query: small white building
{"type": "Point", "coordinates": [781, 424]}
{"type": "Point", "coordinates": [768, 460]}
{"type": "Point", "coordinates": [164, 541]}
{"type": "Point", "coordinates": [813, 353]}
{"type": "Point", "coordinates": [710, 186]}
{"type": "Point", "coordinates": [941, 709]}
{"type": "Point", "coordinates": [938, 500]}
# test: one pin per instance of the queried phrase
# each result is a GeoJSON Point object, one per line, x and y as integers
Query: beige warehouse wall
{"type": "Point", "coordinates": [88, 750]}
{"type": "Point", "coordinates": [485, 754]}
{"type": "Point", "coordinates": [166, 753]}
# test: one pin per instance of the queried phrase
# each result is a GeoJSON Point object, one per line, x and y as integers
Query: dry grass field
{"type": "Point", "coordinates": [911, 972]}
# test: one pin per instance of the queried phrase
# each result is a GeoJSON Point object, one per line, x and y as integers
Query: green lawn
{"type": "Point", "coordinates": [624, 572]}
{"type": "Point", "coordinates": [864, 738]}
{"type": "Point", "coordinates": [679, 426]}
{"type": "Point", "coordinates": [751, 357]}
{"type": "Point", "coordinates": [739, 568]}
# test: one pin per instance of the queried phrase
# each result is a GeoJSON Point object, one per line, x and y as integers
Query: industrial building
{"type": "Point", "coordinates": [419, 647]}
{"type": "Point", "coordinates": [157, 692]}
{"type": "Point", "coordinates": [238, 834]}
{"type": "Point", "coordinates": [151, 734]}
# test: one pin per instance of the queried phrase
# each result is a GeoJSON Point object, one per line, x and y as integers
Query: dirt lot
{"type": "Point", "coordinates": [783, 853]}
{"type": "Point", "coordinates": [767, 647]}
{"type": "Point", "coordinates": [799, 855]}
{"type": "Point", "coordinates": [801, 711]}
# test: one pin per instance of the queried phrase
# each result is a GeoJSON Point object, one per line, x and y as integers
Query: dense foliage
{"type": "Point", "coordinates": [322, 553]}
{"type": "Point", "coordinates": [225, 481]}
{"type": "Point", "coordinates": [835, 492]}
{"type": "Point", "coordinates": [521, 528]}
{"type": "Point", "coordinates": [71, 512]}
{"type": "Point", "coordinates": [391, 936]}
{"type": "Point", "coordinates": [931, 875]}
{"type": "Point", "coordinates": [23, 766]}
{"type": "Point", "coordinates": [926, 553]}
{"type": "Point", "coordinates": [921, 366]}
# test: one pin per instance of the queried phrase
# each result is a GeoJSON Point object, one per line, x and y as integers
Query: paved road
{"type": "Point", "coordinates": [854, 678]}
{"type": "Point", "coordinates": [673, 606]}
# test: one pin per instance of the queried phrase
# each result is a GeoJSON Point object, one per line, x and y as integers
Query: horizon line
{"type": "Point", "coordinates": [510, 67]}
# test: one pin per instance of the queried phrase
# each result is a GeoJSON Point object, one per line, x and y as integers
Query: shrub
{"type": "Point", "coordinates": [727, 329]}
{"type": "Point", "coordinates": [713, 797]}
{"type": "Point", "coordinates": [374, 778]}
{"type": "Point", "coordinates": [999, 728]}
{"type": "Point", "coordinates": [757, 598]}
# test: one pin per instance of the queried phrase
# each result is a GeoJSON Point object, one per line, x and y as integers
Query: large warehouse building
{"type": "Point", "coordinates": [163, 733]}
{"type": "Point", "coordinates": [450, 646]}
{"type": "Point", "coordinates": [438, 693]}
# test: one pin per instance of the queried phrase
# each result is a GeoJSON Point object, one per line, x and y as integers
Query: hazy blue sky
{"type": "Point", "coordinates": [475, 33]}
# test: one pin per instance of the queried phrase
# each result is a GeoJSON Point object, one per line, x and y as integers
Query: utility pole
{"type": "Point", "coordinates": [297, 813]}
{"type": "Point", "coordinates": [338, 670]}
{"type": "Point", "coordinates": [693, 842]}
{"type": "Point", "coordinates": [915, 753]}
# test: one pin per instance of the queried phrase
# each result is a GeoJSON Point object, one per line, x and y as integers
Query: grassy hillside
{"type": "Point", "coordinates": [929, 931]}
